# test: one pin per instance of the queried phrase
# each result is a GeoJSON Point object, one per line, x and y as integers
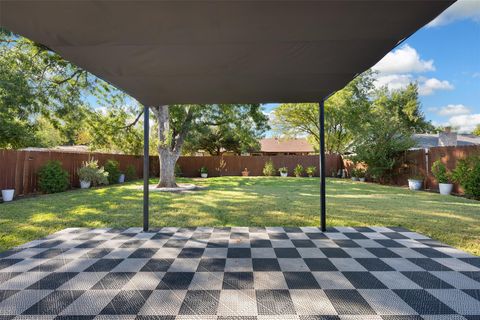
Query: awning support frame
{"type": "Point", "coordinates": [146, 165]}
{"type": "Point", "coordinates": [323, 209]}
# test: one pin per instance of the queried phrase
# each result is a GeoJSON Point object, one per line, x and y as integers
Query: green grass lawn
{"type": "Point", "coordinates": [255, 201]}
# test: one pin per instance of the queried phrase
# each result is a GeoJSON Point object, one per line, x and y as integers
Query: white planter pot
{"type": "Point", "coordinates": [355, 179]}
{"type": "Point", "coordinates": [121, 178]}
{"type": "Point", "coordinates": [361, 179]}
{"type": "Point", "coordinates": [7, 194]}
{"type": "Point", "coordinates": [415, 184]}
{"type": "Point", "coordinates": [85, 184]}
{"type": "Point", "coordinates": [204, 175]}
{"type": "Point", "coordinates": [283, 174]}
{"type": "Point", "coordinates": [445, 188]}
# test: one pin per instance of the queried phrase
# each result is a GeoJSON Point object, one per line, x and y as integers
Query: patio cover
{"type": "Point", "coordinates": [175, 52]}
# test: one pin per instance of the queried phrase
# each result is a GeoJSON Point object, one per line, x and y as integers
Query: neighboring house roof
{"type": "Point", "coordinates": [427, 140]}
{"type": "Point", "coordinates": [285, 145]}
{"type": "Point", "coordinates": [75, 149]}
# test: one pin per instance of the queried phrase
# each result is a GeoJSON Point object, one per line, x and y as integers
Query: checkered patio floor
{"type": "Point", "coordinates": [239, 273]}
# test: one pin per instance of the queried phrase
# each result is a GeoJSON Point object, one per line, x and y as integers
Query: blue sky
{"type": "Point", "coordinates": [444, 58]}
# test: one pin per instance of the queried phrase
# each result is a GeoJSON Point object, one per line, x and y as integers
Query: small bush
{"type": "Point", "coordinates": [53, 178]}
{"type": "Point", "coordinates": [311, 171]}
{"type": "Point", "coordinates": [361, 173]}
{"type": "Point", "coordinates": [298, 170]}
{"type": "Point", "coordinates": [283, 170]}
{"type": "Point", "coordinates": [203, 170]}
{"type": "Point", "coordinates": [354, 173]}
{"type": "Point", "coordinates": [178, 170]}
{"type": "Point", "coordinates": [467, 174]}
{"type": "Point", "coordinates": [131, 173]}
{"type": "Point", "coordinates": [90, 171]}
{"type": "Point", "coordinates": [113, 169]}
{"type": "Point", "coordinates": [269, 169]}
{"type": "Point", "coordinates": [440, 172]}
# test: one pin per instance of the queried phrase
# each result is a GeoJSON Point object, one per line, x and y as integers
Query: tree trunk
{"type": "Point", "coordinates": [168, 160]}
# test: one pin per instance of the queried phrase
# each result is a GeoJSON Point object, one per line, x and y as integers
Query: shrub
{"type": "Point", "coordinates": [354, 173]}
{"type": "Point", "coordinates": [53, 178]}
{"type": "Point", "coordinates": [178, 170]}
{"type": "Point", "coordinates": [203, 170]}
{"type": "Point", "coordinates": [90, 171]}
{"type": "Point", "coordinates": [298, 170]}
{"type": "Point", "coordinates": [283, 170]}
{"type": "Point", "coordinates": [112, 167]}
{"type": "Point", "coordinates": [311, 171]}
{"type": "Point", "coordinates": [269, 169]}
{"type": "Point", "coordinates": [467, 174]}
{"type": "Point", "coordinates": [360, 173]}
{"type": "Point", "coordinates": [131, 173]}
{"type": "Point", "coordinates": [440, 172]}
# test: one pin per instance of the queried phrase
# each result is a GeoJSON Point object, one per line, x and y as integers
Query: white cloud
{"type": "Point", "coordinates": [393, 81]}
{"type": "Point", "coordinates": [426, 86]}
{"type": "Point", "coordinates": [465, 123]}
{"type": "Point", "coordinates": [460, 10]}
{"type": "Point", "coordinates": [451, 110]}
{"type": "Point", "coordinates": [476, 75]}
{"type": "Point", "coordinates": [403, 60]}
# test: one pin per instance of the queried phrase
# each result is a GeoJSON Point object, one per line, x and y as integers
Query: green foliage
{"type": "Point", "coordinates": [269, 169]}
{"type": "Point", "coordinates": [477, 130]}
{"type": "Point", "coordinates": [360, 173]}
{"type": "Point", "coordinates": [283, 170]}
{"type": "Point", "coordinates": [178, 170]}
{"type": "Point", "coordinates": [467, 174]}
{"type": "Point", "coordinates": [131, 173]}
{"type": "Point", "coordinates": [90, 171]}
{"type": "Point", "coordinates": [53, 178]}
{"type": "Point", "coordinates": [439, 171]}
{"type": "Point", "coordinates": [311, 171]}
{"type": "Point", "coordinates": [354, 173]}
{"type": "Point", "coordinates": [203, 170]}
{"type": "Point", "coordinates": [298, 170]}
{"type": "Point", "coordinates": [113, 170]}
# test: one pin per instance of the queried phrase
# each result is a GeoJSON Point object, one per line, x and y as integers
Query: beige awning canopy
{"type": "Point", "coordinates": [166, 52]}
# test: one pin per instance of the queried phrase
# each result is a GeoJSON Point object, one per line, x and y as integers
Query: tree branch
{"type": "Point", "coordinates": [128, 126]}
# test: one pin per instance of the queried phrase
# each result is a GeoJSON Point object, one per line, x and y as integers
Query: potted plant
{"type": "Point", "coordinates": [415, 182]}
{"type": "Point", "coordinates": [7, 194]}
{"type": "Point", "coordinates": [354, 175]}
{"type": "Point", "coordinates": [443, 177]}
{"type": "Point", "coordinates": [283, 171]}
{"type": "Point", "coordinates": [90, 174]}
{"type": "Point", "coordinates": [361, 174]}
{"type": "Point", "coordinates": [298, 170]}
{"type": "Point", "coordinates": [310, 171]}
{"type": "Point", "coordinates": [245, 172]}
{"type": "Point", "coordinates": [204, 172]}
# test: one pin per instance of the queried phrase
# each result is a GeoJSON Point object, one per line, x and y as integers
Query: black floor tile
{"type": "Point", "coordinates": [473, 261]}
{"type": "Point", "coordinates": [5, 276]}
{"type": "Point", "coordinates": [475, 275]}
{"type": "Point", "coordinates": [90, 244]}
{"type": "Point", "coordinates": [274, 302]}
{"type": "Point", "coordinates": [10, 252]}
{"type": "Point", "coordinates": [50, 265]}
{"type": "Point", "coordinates": [113, 280]}
{"type": "Point", "coordinates": [427, 280]}
{"type": "Point", "coordinates": [286, 253]}
{"type": "Point", "coordinates": [475, 293]}
{"type": "Point", "coordinates": [157, 265]}
{"type": "Point", "coordinates": [161, 235]}
{"type": "Point", "coordinates": [96, 253]}
{"type": "Point", "coordinates": [334, 253]}
{"type": "Point", "coordinates": [318, 317]}
{"type": "Point", "coordinates": [346, 243]}
{"type": "Point", "coordinates": [300, 280]}
{"type": "Point", "coordinates": [278, 236]}
{"type": "Point", "coordinates": [191, 253]}
{"type": "Point", "coordinates": [265, 265]}
{"type": "Point", "coordinates": [316, 235]}
{"type": "Point", "coordinates": [211, 265]}
{"type": "Point", "coordinates": [5, 263]}
{"type": "Point", "coordinates": [127, 302]}
{"type": "Point", "coordinates": [176, 281]}
{"type": "Point", "coordinates": [319, 264]}
{"type": "Point", "coordinates": [355, 235]}
{"type": "Point", "coordinates": [301, 243]}
{"type": "Point", "coordinates": [200, 236]}
{"type": "Point", "coordinates": [364, 229]}
{"type": "Point", "coordinates": [53, 281]}
{"type": "Point", "coordinates": [374, 264]}
{"type": "Point", "coordinates": [175, 243]}
{"type": "Point", "coordinates": [364, 280]}
{"type": "Point", "coordinates": [143, 253]}
{"type": "Point", "coordinates": [239, 253]}
{"type": "Point", "coordinates": [292, 229]}
{"type": "Point", "coordinates": [133, 243]}
{"type": "Point", "coordinates": [394, 235]}
{"type": "Point", "coordinates": [383, 253]}
{"type": "Point", "coordinates": [349, 302]}
{"type": "Point", "coordinates": [5, 294]}
{"type": "Point", "coordinates": [124, 236]}
{"type": "Point", "coordinates": [74, 317]}
{"type": "Point", "coordinates": [200, 302]}
{"type": "Point", "coordinates": [388, 243]}
{"type": "Point", "coordinates": [260, 243]}
{"type": "Point", "coordinates": [237, 280]}
{"type": "Point", "coordinates": [50, 253]}
{"type": "Point", "coordinates": [103, 265]}
{"type": "Point", "coordinates": [217, 243]}
{"type": "Point", "coordinates": [49, 244]}
{"type": "Point", "coordinates": [423, 302]}
{"type": "Point", "coordinates": [429, 264]}
{"type": "Point", "coordinates": [54, 303]}
{"type": "Point", "coordinates": [431, 253]}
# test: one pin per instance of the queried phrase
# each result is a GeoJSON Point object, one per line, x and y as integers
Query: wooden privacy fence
{"type": "Point", "coordinates": [19, 169]}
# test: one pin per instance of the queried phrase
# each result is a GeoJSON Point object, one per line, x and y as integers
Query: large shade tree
{"type": "Point", "coordinates": [177, 123]}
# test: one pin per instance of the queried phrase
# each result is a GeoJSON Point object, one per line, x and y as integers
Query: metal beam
{"type": "Point", "coordinates": [323, 209]}
{"type": "Point", "coordinates": [146, 165]}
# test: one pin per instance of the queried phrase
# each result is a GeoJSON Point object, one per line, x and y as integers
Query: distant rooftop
{"type": "Point", "coordinates": [285, 145]}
